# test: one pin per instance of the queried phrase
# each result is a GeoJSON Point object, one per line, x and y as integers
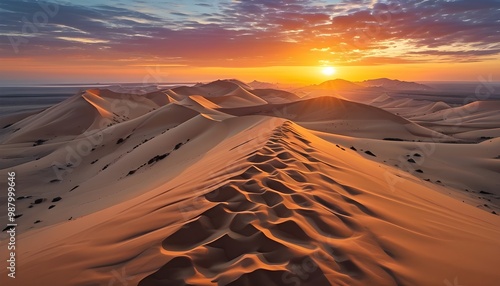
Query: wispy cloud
{"type": "Point", "coordinates": [83, 40]}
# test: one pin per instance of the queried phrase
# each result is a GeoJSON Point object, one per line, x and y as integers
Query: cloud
{"type": "Point", "coordinates": [83, 40]}
{"type": "Point", "coordinates": [258, 32]}
{"type": "Point", "coordinates": [320, 49]}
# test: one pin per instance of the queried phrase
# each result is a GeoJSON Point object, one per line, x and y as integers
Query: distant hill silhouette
{"type": "Point", "coordinates": [338, 84]}
{"type": "Point", "coordinates": [393, 84]}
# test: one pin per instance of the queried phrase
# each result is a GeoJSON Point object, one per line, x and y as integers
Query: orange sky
{"type": "Point", "coordinates": [248, 40]}
{"type": "Point", "coordinates": [51, 73]}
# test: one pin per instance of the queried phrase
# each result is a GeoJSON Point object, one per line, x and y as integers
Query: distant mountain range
{"type": "Point", "coordinates": [341, 84]}
{"type": "Point", "coordinates": [393, 84]}
{"type": "Point", "coordinates": [262, 85]}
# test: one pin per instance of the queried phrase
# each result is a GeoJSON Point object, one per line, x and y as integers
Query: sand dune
{"type": "Point", "coordinates": [106, 102]}
{"type": "Point", "coordinates": [334, 115]}
{"type": "Point", "coordinates": [470, 121]}
{"type": "Point", "coordinates": [223, 184]}
{"type": "Point", "coordinates": [294, 218]}
{"type": "Point", "coordinates": [275, 96]}
{"type": "Point", "coordinates": [237, 98]}
{"type": "Point", "coordinates": [61, 120]}
{"type": "Point", "coordinates": [409, 108]}
{"type": "Point", "coordinates": [216, 88]}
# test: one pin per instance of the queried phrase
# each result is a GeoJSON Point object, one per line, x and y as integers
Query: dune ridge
{"type": "Point", "coordinates": [290, 211]}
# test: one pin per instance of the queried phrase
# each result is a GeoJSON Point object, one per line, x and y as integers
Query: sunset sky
{"type": "Point", "coordinates": [266, 40]}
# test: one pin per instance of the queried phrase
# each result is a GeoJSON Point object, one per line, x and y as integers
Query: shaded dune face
{"type": "Point", "coordinates": [334, 115]}
{"type": "Point", "coordinates": [283, 221]}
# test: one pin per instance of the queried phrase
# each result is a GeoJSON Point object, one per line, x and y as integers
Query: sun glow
{"type": "Point", "coordinates": [328, 71]}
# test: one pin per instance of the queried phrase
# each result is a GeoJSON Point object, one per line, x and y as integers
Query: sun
{"type": "Point", "coordinates": [328, 71]}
